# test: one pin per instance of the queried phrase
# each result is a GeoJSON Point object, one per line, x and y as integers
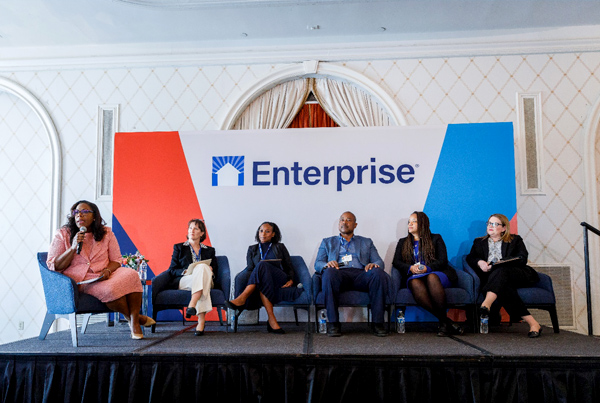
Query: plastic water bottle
{"type": "Point", "coordinates": [322, 321]}
{"type": "Point", "coordinates": [232, 319]}
{"type": "Point", "coordinates": [483, 324]}
{"type": "Point", "coordinates": [143, 272]}
{"type": "Point", "coordinates": [400, 322]}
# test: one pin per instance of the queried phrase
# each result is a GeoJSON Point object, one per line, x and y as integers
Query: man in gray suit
{"type": "Point", "coordinates": [351, 262]}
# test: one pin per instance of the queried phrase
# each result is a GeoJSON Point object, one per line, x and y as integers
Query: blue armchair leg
{"type": "Point", "coordinates": [85, 322]}
{"type": "Point", "coordinates": [48, 321]}
{"type": "Point", "coordinates": [154, 315]}
{"type": "Point", "coordinates": [554, 319]}
{"type": "Point", "coordinates": [73, 324]}
{"type": "Point", "coordinates": [220, 317]}
{"type": "Point", "coordinates": [219, 309]}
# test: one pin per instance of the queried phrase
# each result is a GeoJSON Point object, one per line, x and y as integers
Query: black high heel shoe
{"type": "Point", "coordinates": [189, 312]}
{"type": "Point", "coordinates": [534, 335]}
{"type": "Point", "coordinates": [275, 331]}
{"type": "Point", "coordinates": [234, 307]}
{"type": "Point", "coordinates": [484, 311]}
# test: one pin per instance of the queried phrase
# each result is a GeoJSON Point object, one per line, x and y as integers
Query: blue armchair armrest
{"type": "Point", "coordinates": [476, 281]}
{"type": "Point", "coordinates": [62, 295]}
{"type": "Point", "coordinates": [467, 283]}
{"type": "Point", "coordinates": [316, 285]}
{"type": "Point", "coordinates": [302, 275]}
{"type": "Point", "coordinates": [159, 284]}
{"type": "Point", "coordinates": [223, 279]}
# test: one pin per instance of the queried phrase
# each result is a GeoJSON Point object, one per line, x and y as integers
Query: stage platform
{"type": "Point", "coordinates": [252, 365]}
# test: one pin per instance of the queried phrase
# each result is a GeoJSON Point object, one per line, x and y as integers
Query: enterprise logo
{"type": "Point", "coordinates": [229, 171]}
{"type": "Point", "coordinates": [263, 175]}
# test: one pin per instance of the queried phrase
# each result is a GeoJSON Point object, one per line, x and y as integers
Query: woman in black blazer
{"type": "Point", "coordinates": [422, 261]}
{"type": "Point", "coordinates": [272, 272]}
{"type": "Point", "coordinates": [499, 281]}
{"type": "Point", "coordinates": [201, 280]}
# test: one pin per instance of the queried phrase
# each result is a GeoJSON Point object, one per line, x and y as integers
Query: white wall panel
{"type": "Point", "coordinates": [428, 91]}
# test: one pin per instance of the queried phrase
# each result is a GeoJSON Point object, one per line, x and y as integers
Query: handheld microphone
{"type": "Point", "coordinates": [80, 244]}
{"type": "Point", "coordinates": [340, 264]}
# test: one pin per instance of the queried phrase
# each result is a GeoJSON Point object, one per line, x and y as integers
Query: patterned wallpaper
{"type": "Point", "coordinates": [25, 179]}
{"type": "Point", "coordinates": [429, 91]}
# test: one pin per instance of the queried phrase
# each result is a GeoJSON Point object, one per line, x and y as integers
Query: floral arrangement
{"type": "Point", "coordinates": [134, 260]}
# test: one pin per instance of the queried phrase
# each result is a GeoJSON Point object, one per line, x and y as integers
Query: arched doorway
{"type": "Point", "coordinates": [30, 172]}
{"type": "Point", "coordinates": [315, 69]}
{"type": "Point", "coordinates": [312, 115]}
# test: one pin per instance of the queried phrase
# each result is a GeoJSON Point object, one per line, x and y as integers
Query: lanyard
{"type": "Point", "coordinates": [416, 252]}
{"type": "Point", "coordinates": [346, 244]}
{"type": "Point", "coordinates": [262, 257]}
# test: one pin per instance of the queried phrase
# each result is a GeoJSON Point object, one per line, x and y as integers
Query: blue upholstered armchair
{"type": "Point", "coordinates": [63, 300]}
{"type": "Point", "coordinates": [304, 294]}
{"type": "Point", "coordinates": [461, 297]}
{"type": "Point", "coordinates": [357, 299]}
{"type": "Point", "coordinates": [540, 296]}
{"type": "Point", "coordinates": [163, 298]}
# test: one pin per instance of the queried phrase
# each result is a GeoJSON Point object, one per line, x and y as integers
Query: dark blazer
{"type": "Point", "coordinates": [280, 251]}
{"type": "Point", "coordinates": [439, 264]}
{"type": "Point", "coordinates": [515, 248]}
{"type": "Point", "coordinates": [181, 259]}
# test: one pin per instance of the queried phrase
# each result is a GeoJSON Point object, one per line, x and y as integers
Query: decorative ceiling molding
{"type": "Point", "coordinates": [38, 108]}
{"type": "Point", "coordinates": [179, 4]}
{"type": "Point", "coordinates": [560, 40]}
{"type": "Point", "coordinates": [312, 68]}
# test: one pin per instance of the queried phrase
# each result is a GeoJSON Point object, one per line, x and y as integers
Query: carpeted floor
{"type": "Point", "coordinates": [419, 340]}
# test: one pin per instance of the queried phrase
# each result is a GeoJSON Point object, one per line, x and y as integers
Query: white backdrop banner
{"type": "Point", "coordinates": [304, 179]}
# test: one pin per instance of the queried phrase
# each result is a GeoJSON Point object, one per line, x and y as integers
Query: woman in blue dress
{"type": "Point", "coordinates": [422, 261]}
{"type": "Point", "coordinates": [271, 275]}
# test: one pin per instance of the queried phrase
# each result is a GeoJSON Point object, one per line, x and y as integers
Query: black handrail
{"type": "Point", "coordinates": [593, 229]}
{"type": "Point", "coordinates": [586, 253]}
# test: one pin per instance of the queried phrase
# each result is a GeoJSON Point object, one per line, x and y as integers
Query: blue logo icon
{"type": "Point", "coordinates": [228, 171]}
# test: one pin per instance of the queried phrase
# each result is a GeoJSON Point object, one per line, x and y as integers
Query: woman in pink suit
{"type": "Point", "coordinates": [120, 287]}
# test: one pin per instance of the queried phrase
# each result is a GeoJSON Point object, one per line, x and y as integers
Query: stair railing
{"type": "Point", "coordinates": [586, 252]}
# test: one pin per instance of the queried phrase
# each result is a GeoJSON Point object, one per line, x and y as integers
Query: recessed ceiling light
{"type": "Point", "coordinates": [383, 29]}
{"type": "Point", "coordinates": [244, 34]}
{"type": "Point", "coordinates": [312, 27]}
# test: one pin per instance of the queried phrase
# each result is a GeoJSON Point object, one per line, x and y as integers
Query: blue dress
{"type": "Point", "coordinates": [417, 258]}
{"type": "Point", "coordinates": [269, 276]}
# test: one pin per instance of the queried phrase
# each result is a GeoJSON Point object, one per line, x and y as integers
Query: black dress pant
{"type": "Point", "coordinates": [504, 282]}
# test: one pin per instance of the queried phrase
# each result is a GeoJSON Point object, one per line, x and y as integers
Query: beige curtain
{"type": "Point", "coordinates": [347, 105]}
{"type": "Point", "coordinates": [276, 108]}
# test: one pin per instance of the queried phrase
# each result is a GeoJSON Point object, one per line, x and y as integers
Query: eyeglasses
{"type": "Point", "coordinates": [494, 224]}
{"type": "Point", "coordinates": [82, 212]}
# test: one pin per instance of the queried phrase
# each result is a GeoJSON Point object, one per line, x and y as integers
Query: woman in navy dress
{"type": "Point", "coordinates": [422, 261]}
{"type": "Point", "coordinates": [271, 276]}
